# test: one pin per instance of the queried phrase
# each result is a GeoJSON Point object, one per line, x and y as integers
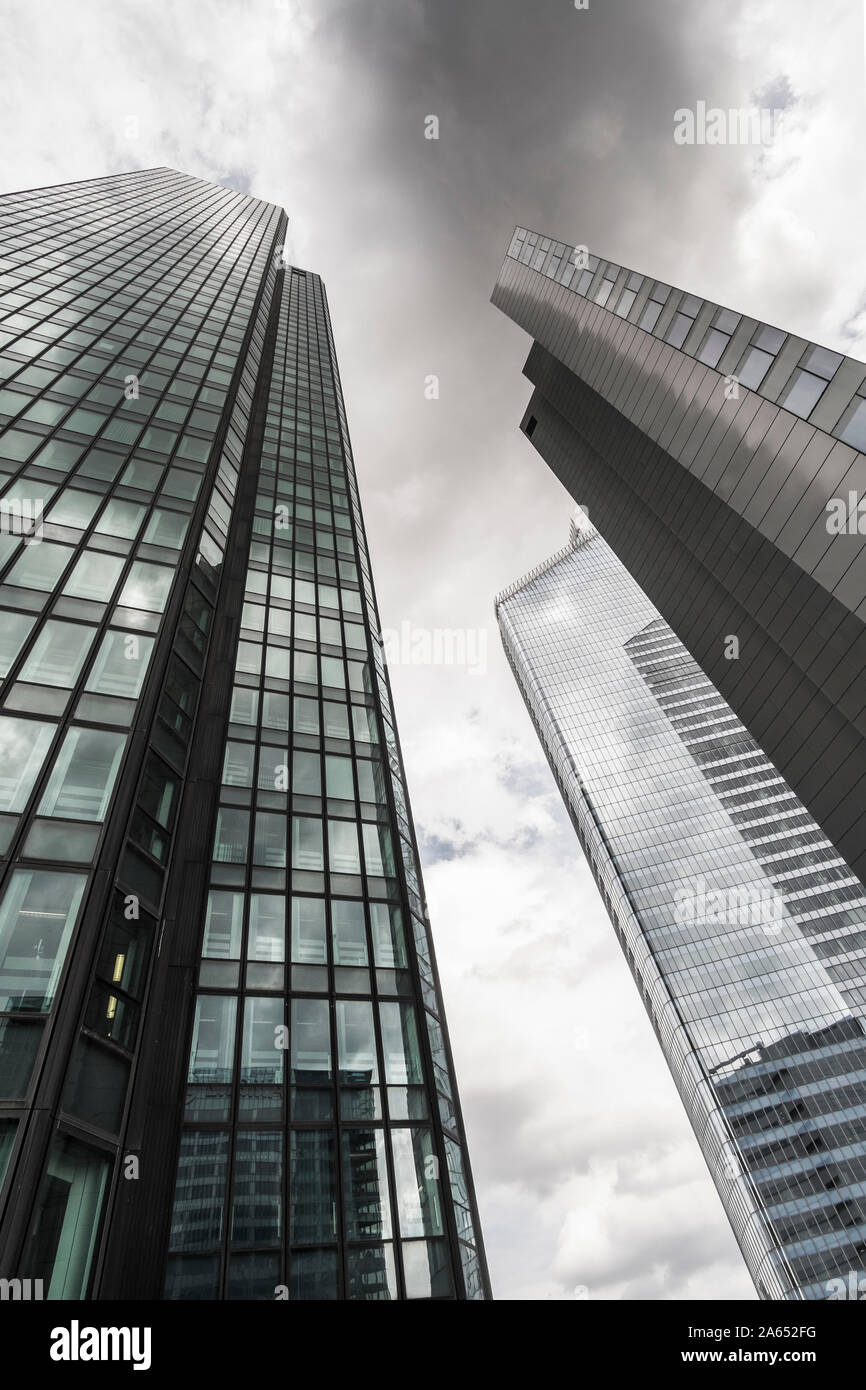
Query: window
{"type": "Point", "coordinates": [84, 774]}
{"type": "Point", "coordinates": [62, 1239]}
{"type": "Point", "coordinates": [40, 566]}
{"type": "Point", "coordinates": [307, 843]}
{"type": "Point", "coordinates": [147, 586]}
{"type": "Point", "coordinates": [74, 508]}
{"type": "Point", "coordinates": [852, 426]}
{"type": "Point", "coordinates": [349, 933]}
{"type": "Point", "coordinates": [270, 839]}
{"type": "Point", "coordinates": [223, 925]}
{"type": "Point", "coordinates": [14, 631]}
{"type": "Point", "coordinates": [809, 381]}
{"type": "Point", "coordinates": [37, 916]}
{"type": "Point", "coordinates": [416, 1188]}
{"type": "Point", "coordinates": [262, 1059]}
{"type": "Point", "coordinates": [343, 847]}
{"type": "Point", "coordinates": [24, 744]}
{"type": "Point", "coordinates": [120, 664]}
{"type": "Point", "coordinates": [121, 519]}
{"type": "Point", "coordinates": [167, 528]}
{"type": "Point", "coordinates": [308, 931]}
{"type": "Point", "coordinates": [338, 778]}
{"type": "Point", "coordinates": [267, 936]}
{"type": "Point", "coordinates": [58, 654]}
{"type": "Point", "coordinates": [232, 835]}
{"type": "Point", "coordinates": [95, 576]}
{"type": "Point", "coordinates": [211, 1057]}
{"type": "Point", "coordinates": [313, 1189]}
{"type": "Point", "coordinates": [753, 367]}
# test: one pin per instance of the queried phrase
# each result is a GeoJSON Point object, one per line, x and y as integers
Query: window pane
{"type": "Point", "coordinates": [232, 835]}
{"type": "Point", "coordinates": [307, 843]}
{"type": "Point", "coordinates": [349, 933]}
{"type": "Point", "coordinates": [400, 1045]}
{"type": "Point", "coordinates": [270, 840]}
{"type": "Point", "coordinates": [267, 938]}
{"type": "Point", "coordinates": [211, 1057]}
{"type": "Point", "coordinates": [754, 368]}
{"type": "Point", "coordinates": [84, 773]}
{"type": "Point", "coordinates": [262, 1059]}
{"type": "Point", "coordinates": [74, 508]}
{"type": "Point", "coordinates": [166, 528]}
{"type": "Point", "coordinates": [389, 947]}
{"type": "Point", "coordinates": [365, 1178]}
{"type": "Point", "coordinates": [308, 931]}
{"type": "Point", "coordinates": [121, 519]}
{"type": "Point", "coordinates": [313, 1188]}
{"type": "Point", "coordinates": [94, 576]}
{"type": "Point", "coordinates": [40, 566]}
{"type": "Point", "coordinates": [37, 916]}
{"type": "Point", "coordinates": [23, 746]}
{"type": "Point", "coordinates": [62, 1239]}
{"type": "Point", "coordinates": [803, 393]}
{"type": "Point", "coordinates": [120, 664]}
{"type": "Point", "coordinates": [338, 777]}
{"type": "Point", "coordinates": [223, 925]}
{"type": "Point", "coordinates": [147, 586]}
{"type": "Point", "coordinates": [14, 631]}
{"type": "Point", "coordinates": [196, 1222]}
{"type": "Point", "coordinates": [310, 1035]}
{"type": "Point", "coordinates": [356, 1042]}
{"type": "Point", "coordinates": [58, 654]}
{"type": "Point", "coordinates": [343, 847]}
{"type": "Point", "coordinates": [416, 1182]}
{"type": "Point", "coordinates": [257, 1204]}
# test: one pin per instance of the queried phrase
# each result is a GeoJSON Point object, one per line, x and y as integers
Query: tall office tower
{"type": "Point", "coordinates": [743, 927]}
{"type": "Point", "coordinates": [224, 1070]}
{"type": "Point", "coordinates": [722, 459]}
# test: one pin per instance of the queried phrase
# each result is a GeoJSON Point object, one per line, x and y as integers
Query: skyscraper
{"type": "Point", "coordinates": [743, 927]}
{"type": "Point", "coordinates": [222, 1046]}
{"type": "Point", "coordinates": [722, 459]}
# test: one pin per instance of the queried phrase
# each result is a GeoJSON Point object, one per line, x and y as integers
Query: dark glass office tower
{"type": "Point", "coordinates": [224, 1069]}
{"type": "Point", "coordinates": [722, 459]}
{"type": "Point", "coordinates": [743, 927]}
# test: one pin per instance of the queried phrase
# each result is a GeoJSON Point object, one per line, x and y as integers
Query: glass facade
{"type": "Point", "coordinates": [221, 1033]}
{"type": "Point", "coordinates": [722, 460]}
{"type": "Point", "coordinates": [743, 927]}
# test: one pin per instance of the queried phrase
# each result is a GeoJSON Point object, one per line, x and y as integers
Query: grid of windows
{"type": "Point", "coordinates": [643, 301]}
{"type": "Point", "coordinates": [306, 1078]}
{"type": "Point", "coordinates": [134, 312]}
{"type": "Point", "coordinates": [742, 925]}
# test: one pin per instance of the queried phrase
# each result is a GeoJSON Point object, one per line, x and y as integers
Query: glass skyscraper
{"type": "Point", "coordinates": [723, 461]}
{"type": "Point", "coordinates": [224, 1068]}
{"type": "Point", "coordinates": [744, 928]}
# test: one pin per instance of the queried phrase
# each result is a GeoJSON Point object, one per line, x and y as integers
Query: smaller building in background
{"type": "Point", "coordinates": [744, 928]}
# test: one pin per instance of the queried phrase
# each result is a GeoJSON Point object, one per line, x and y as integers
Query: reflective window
{"type": "Point", "coordinates": [23, 746]}
{"type": "Point", "coordinates": [84, 774]}
{"type": "Point", "coordinates": [37, 916]}
{"type": "Point", "coordinates": [58, 654]}
{"type": "Point", "coordinates": [120, 664]}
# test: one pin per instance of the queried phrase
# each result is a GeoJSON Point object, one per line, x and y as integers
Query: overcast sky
{"type": "Point", "coordinates": [562, 119]}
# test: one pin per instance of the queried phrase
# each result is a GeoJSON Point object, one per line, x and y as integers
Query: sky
{"type": "Point", "coordinates": [590, 1182]}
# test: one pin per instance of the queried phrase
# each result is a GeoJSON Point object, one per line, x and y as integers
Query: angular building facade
{"type": "Point", "coordinates": [224, 1068]}
{"type": "Point", "coordinates": [723, 460]}
{"type": "Point", "coordinates": [743, 927]}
